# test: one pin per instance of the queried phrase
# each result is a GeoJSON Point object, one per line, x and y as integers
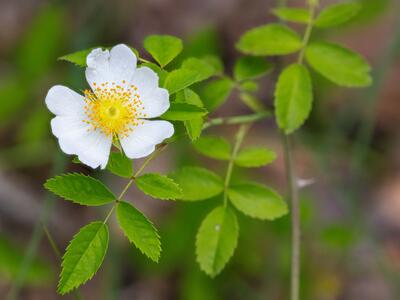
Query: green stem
{"type": "Point", "coordinates": [52, 242]}
{"type": "Point", "coordinates": [238, 141]}
{"type": "Point", "coordinates": [307, 34]}
{"type": "Point", "coordinates": [238, 119]}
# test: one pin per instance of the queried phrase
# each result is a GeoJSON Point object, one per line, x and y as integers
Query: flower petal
{"type": "Point", "coordinates": [146, 80]}
{"type": "Point", "coordinates": [116, 65]}
{"type": "Point", "coordinates": [155, 103]}
{"type": "Point", "coordinates": [76, 137]}
{"type": "Point", "coordinates": [63, 101]}
{"type": "Point", "coordinates": [144, 137]}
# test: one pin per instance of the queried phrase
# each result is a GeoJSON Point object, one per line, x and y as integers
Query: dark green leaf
{"type": "Point", "coordinates": [250, 67]}
{"type": "Point", "coordinates": [158, 186]}
{"type": "Point", "coordinates": [120, 165]}
{"type": "Point", "coordinates": [215, 93]}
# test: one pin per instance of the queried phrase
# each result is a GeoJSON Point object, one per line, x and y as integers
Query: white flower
{"type": "Point", "coordinates": [121, 98]}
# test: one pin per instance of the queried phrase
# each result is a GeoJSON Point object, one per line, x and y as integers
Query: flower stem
{"type": "Point", "coordinates": [296, 228]}
{"type": "Point", "coordinates": [238, 141]}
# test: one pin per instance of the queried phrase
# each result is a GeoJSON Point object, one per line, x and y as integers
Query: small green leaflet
{"type": "Point", "coordinates": [340, 65]}
{"type": "Point", "coordinates": [254, 157]}
{"type": "Point", "coordinates": [139, 230]}
{"type": "Point", "coordinates": [250, 67]}
{"type": "Point", "coordinates": [163, 48]}
{"type": "Point", "coordinates": [83, 256]}
{"type": "Point", "coordinates": [337, 14]}
{"type": "Point", "coordinates": [198, 183]}
{"type": "Point", "coordinates": [78, 58]}
{"type": "Point", "coordinates": [272, 39]}
{"type": "Point", "coordinates": [257, 201]}
{"type": "Point", "coordinates": [252, 102]}
{"type": "Point", "coordinates": [215, 62]}
{"type": "Point", "coordinates": [158, 186]}
{"type": "Point", "coordinates": [215, 93]}
{"type": "Point", "coordinates": [80, 189]}
{"type": "Point", "coordinates": [195, 125]}
{"type": "Point", "coordinates": [296, 15]}
{"type": "Point", "coordinates": [216, 240]}
{"type": "Point", "coordinates": [249, 86]}
{"type": "Point", "coordinates": [293, 97]}
{"type": "Point", "coordinates": [183, 112]}
{"type": "Point", "coordinates": [120, 165]}
{"type": "Point", "coordinates": [213, 146]}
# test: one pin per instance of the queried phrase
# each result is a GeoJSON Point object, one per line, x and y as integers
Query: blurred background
{"type": "Point", "coordinates": [350, 149]}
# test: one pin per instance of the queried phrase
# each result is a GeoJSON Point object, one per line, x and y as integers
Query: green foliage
{"type": "Point", "coordinates": [80, 189]}
{"type": "Point", "coordinates": [183, 112]}
{"type": "Point", "coordinates": [194, 126]}
{"type": "Point", "coordinates": [198, 183]}
{"type": "Point", "coordinates": [254, 157]}
{"type": "Point", "coordinates": [158, 186]}
{"type": "Point", "coordinates": [216, 63]}
{"type": "Point", "coordinates": [193, 70]}
{"type": "Point", "coordinates": [296, 15]}
{"type": "Point", "coordinates": [213, 146]}
{"type": "Point", "coordinates": [216, 240]}
{"type": "Point", "coordinates": [249, 86]}
{"type": "Point", "coordinates": [120, 165]}
{"type": "Point", "coordinates": [215, 93]}
{"type": "Point", "coordinates": [337, 14]}
{"type": "Point", "coordinates": [250, 67]}
{"type": "Point", "coordinates": [84, 256]}
{"type": "Point", "coordinates": [257, 201]}
{"type": "Point", "coordinates": [78, 58]}
{"type": "Point", "coordinates": [252, 102]}
{"type": "Point", "coordinates": [293, 97]}
{"type": "Point", "coordinates": [139, 230]}
{"type": "Point", "coordinates": [163, 48]}
{"type": "Point", "coordinates": [340, 65]}
{"type": "Point", "coordinates": [272, 39]}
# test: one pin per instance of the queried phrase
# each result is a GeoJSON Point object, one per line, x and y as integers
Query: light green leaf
{"type": "Point", "coordinates": [120, 165]}
{"type": "Point", "coordinates": [80, 189]}
{"type": "Point", "coordinates": [78, 58]}
{"type": "Point", "coordinates": [193, 70]}
{"type": "Point", "coordinates": [293, 97]}
{"type": "Point", "coordinates": [257, 201]}
{"type": "Point", "coordinates": [163, 48]}
{"type": "Point", "coordinates": [337, 14]}
{"type": "Point", "coordinates": [158, 186]}
{"type": "Point", "coordinates": [213, 146]}
{"type": "Point", "coordinates": [198, 183]}
{"type": "Point", "coordinates": [215, 93]}
{"type": "Point", "coordinates": [215, 62]}
{"type": "Point", "coordinates": [83, 256]}
{"type": "Point", "coordinates": [194, 126]}
{"type": "Point", "coordinates": [252, 102]}
{"type": "Point", "coordinates": [139, 230]}
{"type": "Point", "coordinates": [216, 240]}
{"type": "Point", "coordinates": [273, 39]}
{"type": "Point", "coordinates": [250, 67]}
{"type": "Point", "coordinates": [296, 15]}
{"type": "Point", "coordinates": [340, 65]}
{"type": "Point", "coordinates": [249, 86]}
{"type": "Point", "coordinates": [183, 112]}
{"type": "Point", "coordinates": [254, 157]}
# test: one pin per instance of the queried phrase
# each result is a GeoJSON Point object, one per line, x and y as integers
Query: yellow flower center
{"type": "Point", "coordinates": [114, 109]}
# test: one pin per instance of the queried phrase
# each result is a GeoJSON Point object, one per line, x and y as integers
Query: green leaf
{"type": "Point", "coordinates": [158, 186]}
{"type": "Point", "coordinates": [293, 97]}
{"type": "Point", "coordinates": [216, 240]}
{"type": "Point", "coordinates": [163, 48]}
{"type": "Point", "coordinates": [252, 102]}
{"type": "Point", "coordinates": [194, 126]}
{"type": "Point", "coordinates": [340, 65]}
{"type": "Point", "coordinates": [273, 39]}
{"type": "Point", "coordinates": [192, 70]}
{"type": "Point", "coordinates": [254, 157]}
{"type": "Point", "coordinates": [80, 189]}
{"type": "Point", "coordinates": [198, 183]}
{"type": "Point", "coordinates": [139, 230]}
{"type": "Point", "coordinates": [250, 67]}
{"type": "Point", "coordinates": [83, 256]}
{"type": "Point", "coordinates": [296, 15]}
{"type": "Point", "coordinates": [249, 86]}
{"type": "Point", "coordinates": [120, 165]}
{"type": "Point", "coordinates": [257, 201]}
{"type": "Point", "coordinates": [78, 58]}
{"type": "Point", "coordinates": [215, 62]}
{"type": "Point", "coordinates": [215, 93]}
{"type": "Point", "coordinates": [337, 14]}
{"type": "Point", "coordinates": [183, 112]}
{"type": "Point", "coordinates": [213, 146]}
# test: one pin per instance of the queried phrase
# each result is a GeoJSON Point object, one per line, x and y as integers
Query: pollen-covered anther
{"type": "Point", "coordinates": [112, 109]}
